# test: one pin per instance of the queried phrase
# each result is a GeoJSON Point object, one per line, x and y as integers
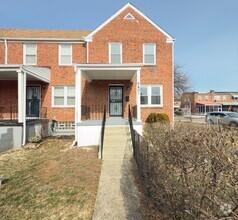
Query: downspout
{"type": "Point", "coordinates": [76, 108]}
{"type": "Point", "coordinates": [6, 51]}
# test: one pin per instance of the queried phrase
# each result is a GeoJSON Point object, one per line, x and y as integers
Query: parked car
{"type": "Point", "coordinates": [223, 118]}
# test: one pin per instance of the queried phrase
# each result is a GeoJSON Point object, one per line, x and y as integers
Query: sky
{"type": "Point", "coordinates": [206, 31]}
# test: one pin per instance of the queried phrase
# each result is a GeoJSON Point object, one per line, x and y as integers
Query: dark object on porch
{"type": "Point", "coordinates": [127, 98]}
{"type": "Point", "coordinates": [53, 125]}
{"type": "Point", "coordinates": [158, 117]}
{"type": "Point", "coordinates": [103, 130]}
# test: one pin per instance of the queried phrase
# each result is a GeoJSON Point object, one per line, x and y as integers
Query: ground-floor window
{"type": "Point", "coordinates": [151, 95]}
{"type": "Point", "coordinates": [63, 96]}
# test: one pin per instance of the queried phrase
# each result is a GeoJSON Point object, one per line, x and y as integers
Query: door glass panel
{"type": "Point", "coordinates": [116, 101]}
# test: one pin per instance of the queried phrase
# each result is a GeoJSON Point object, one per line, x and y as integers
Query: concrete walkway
{"type": "Point", "coordinates": [118, 196]}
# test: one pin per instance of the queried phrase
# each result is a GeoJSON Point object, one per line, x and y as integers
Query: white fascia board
{"type": "Point", "coordinates": [139, 12]}
{"type": "Point", "coordinates": [107, 65]}
{"type": "Point", "coordinates": [80, 40]}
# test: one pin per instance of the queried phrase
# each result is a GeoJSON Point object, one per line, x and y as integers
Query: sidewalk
{"type": "Point", "coordinates": [118, 197]}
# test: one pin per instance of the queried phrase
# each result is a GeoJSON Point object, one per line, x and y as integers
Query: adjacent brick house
{"type": "Point", "coordinates": [201, 103]}
{"type": "Point", "coordinates": [128, 60]}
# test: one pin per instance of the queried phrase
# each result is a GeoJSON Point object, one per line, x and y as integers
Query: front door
{"type": "Point", "coordinates": [116, 101]}
{"type": "Point", "coordinates": [32, 101]}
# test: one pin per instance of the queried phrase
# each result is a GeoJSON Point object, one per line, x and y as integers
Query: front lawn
{"type": "Point", "coordinates": [50, 182]}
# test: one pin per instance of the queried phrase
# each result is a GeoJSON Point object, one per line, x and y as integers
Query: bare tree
{"type": "Point", "coordinates": [181, 81]}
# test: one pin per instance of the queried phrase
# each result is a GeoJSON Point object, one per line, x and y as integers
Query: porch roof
{"type": "Point", "coordinates": [93, 71]}
{"type": "Point", "coordinates": [208, 103]}
{"type": "Point", "coordinates": [9, 72]}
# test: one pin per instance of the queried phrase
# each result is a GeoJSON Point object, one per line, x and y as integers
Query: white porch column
{"type": "Point", "coordinates": [22, 102]}
{"type": "Point", "coordinates": [138, 95]}
{"type": "Point", "coordinates": [20, 95]}
{"type": "Point", "coordinates": [78, 103]}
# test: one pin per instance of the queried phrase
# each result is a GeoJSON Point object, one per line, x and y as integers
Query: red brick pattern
{"type": "Point", "coordinates": [132, 34]}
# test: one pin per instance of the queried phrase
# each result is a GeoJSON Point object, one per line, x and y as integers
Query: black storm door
{"type": "Point", "coordinates": [116, 101]}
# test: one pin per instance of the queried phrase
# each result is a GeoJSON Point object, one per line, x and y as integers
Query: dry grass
{"type": "Point", "coordinates": [50, 182]}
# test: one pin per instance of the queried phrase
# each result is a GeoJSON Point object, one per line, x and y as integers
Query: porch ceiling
{"type": "Point", "coordinates": [10, 72]}
{"type": "Point", "coordinates": [109, 71]}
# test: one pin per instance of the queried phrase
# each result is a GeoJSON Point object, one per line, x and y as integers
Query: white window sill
{"type": "Point", "coordinates": [151, 106]}
{"type": "Point", "coordinates": [149, 64]}
{"type": "Point", "coordinates": [30, 64]}
{"type": "Point", "coordinates": [63, 106]}
{"type": "Point", "coordinates": [66, 64]}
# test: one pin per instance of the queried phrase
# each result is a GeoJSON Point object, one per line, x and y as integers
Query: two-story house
{"type": "Point", "coordinates": [204, 102]}
{"type": "Point", "coordinates": [73, 76]}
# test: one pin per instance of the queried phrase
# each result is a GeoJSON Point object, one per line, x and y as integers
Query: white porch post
{"type": "Point", "coordinates": [20, 95]}
{"type": "Point", "coordinates": [22, 102]}
{"type": "Point", "coordinates": [138, 95]}
{"type": "Point", "coordinates": [79, 94]}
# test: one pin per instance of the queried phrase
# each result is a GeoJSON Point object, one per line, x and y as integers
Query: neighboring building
{"type": "Point", "coordinates": [201, 103]}
{"type": "Point", "coordinates": [72, 75]}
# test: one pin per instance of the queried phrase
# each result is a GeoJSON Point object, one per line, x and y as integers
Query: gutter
{"type": "Point", "coordinates": [58, 40]}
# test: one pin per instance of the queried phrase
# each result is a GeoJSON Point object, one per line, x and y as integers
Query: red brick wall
{"type": "Point", "coordinates": [132, 34]}
{"type": "Point", "coordinates": [2, 53]}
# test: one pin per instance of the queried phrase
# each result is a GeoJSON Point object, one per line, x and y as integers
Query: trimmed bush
{"type": "Point", "coordinates": [191, 171]}
{"type": "Point", "coordinates": [158, 117]}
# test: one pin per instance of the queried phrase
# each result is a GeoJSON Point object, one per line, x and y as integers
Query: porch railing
{"type": "Point", "coordinates": [92, 112]}
{"type": "Point", "coordinates": [131, 128]}
{"type": "Point", "coordinates": [11, 113]}
{"type": "Point", "coordinates": [134, 111]}
{"type": "Point", "coordinates": [102, 132]}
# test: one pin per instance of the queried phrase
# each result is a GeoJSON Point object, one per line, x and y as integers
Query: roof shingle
{"type": "Point", "coordinates": [31, 33]}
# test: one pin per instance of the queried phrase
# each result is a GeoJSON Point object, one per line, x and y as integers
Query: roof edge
{"type": "Point", "coordinates": [139, 12]}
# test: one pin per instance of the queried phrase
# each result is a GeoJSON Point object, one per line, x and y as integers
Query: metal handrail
{"type": "Point", "coordinates": [131, 129]}
{"type": "Point", "coordinates": [103, 130]}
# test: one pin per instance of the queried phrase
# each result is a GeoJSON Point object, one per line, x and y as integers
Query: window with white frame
{"type": "Point", "coordinates": [65, 54]}
{"type": "Point", "coordinates": [206, 98]}
{"type": "Point", "coordinates": [115, 53]}
{"type": "Point", "coordinates": [149, 53]}
{"type": "Point", "coordinates": [63, 96]}
{"type": "Point", "coordinates": [151, 95]}
{"type": "Point", "coordinates": [224, 98]}
{"type": "Point", "coordinates": [216, 97]}
{"type": "Point", "coordinates": [30, 54]}
{"type": "Point", "coordinates": [199, 98]}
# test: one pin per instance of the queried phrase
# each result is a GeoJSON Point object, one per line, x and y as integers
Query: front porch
{"type": "Point", "coordinates": [22, 92]}
{"type": "Point", "coordinates": [104, 90]}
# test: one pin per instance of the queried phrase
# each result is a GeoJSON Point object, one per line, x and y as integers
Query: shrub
{"type": "Point", "coordinates": [34, 139]}
{"type": "Point", "coordinates": [191, 171]}
{"type": "Point", "coordinates": [157, 117]}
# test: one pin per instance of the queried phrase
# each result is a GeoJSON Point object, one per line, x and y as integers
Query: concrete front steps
{"type": "Point", "coordinates": [117, 143]}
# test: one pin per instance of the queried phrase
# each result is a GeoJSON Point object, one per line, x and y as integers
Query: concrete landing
{"type": "Point", "coordinates": [118, 196]}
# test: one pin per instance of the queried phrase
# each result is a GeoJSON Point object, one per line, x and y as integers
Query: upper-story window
{"type": "Point", "coordinates": [115, 53]}
{"type": "Point", "coordinates": [216, 98]}
{"type": "Point", "coordinates": [206, 98]}
{"type": "Point", "coordinates": [224, 98]}
{"type": "Point", "coordinates": [149, 53]}
{"type": "Point", "coordinates": [199, 98]}
{"type": "Point", "coordinates": [65, 54]}
{"type": "Point", "coordinates": [30, 54]}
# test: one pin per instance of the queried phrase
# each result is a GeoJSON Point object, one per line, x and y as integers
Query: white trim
{"type": "Point", "coordinates": [154, 45]}
{"type": "Point", "coordinates": [6, 51]}
{"type": "Point", "coordinates": [135, 9]}
{"type": "Point", "coordinates": [173, 82]}
{"type": "Point", "coordinates": [24, 54]}
{"type": "Point", "coordinates": [68, 40]}
{"type": "Point", "coordinates": [65, 87]}
{"type": "Point", "coordinates": [59, 54]}
{"type": "Point", "coordinates": [129, 16]}
{"type": "Point", "coordinates": [149, 93]}
{"type": "Point", "coordinates": [110, 52]}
